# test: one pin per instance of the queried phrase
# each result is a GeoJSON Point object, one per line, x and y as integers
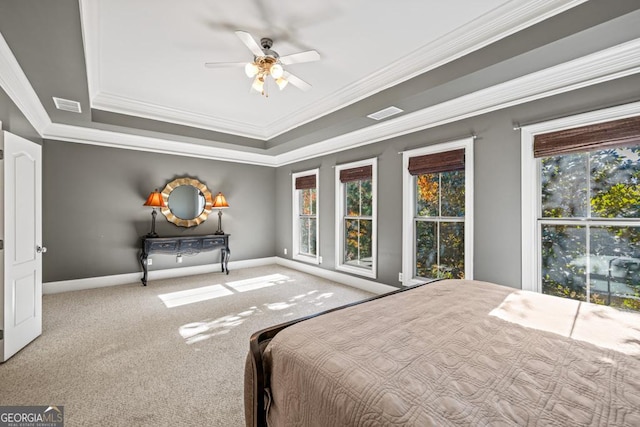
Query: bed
{"type": "Point", "coordinates": [452, 352]}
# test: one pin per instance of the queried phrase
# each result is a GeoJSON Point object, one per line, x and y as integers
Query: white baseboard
{"type": "Point", "coordinates": [126, 279]}
{"type": "Point", "coordinates": [345, 279]}
{"type": "Point", "coordinates": [129, 278]}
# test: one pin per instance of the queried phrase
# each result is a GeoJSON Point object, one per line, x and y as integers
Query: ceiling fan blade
{"type": "Point", "coordinates": [296, 81]}
{"type": "Point", "coordinates": [297, 58]}
{"type": "Point", "coordinates": [225, 64]}
{"type": "Point", "coordinates": [250, 42]}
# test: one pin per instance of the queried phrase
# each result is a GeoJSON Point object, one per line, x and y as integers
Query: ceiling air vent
{"type": "Point", "coordinates": [67, 105]}
{"type": "Point", "coordinates": [383, 114]}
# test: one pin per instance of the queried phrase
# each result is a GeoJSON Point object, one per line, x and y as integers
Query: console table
{"type": "Point", "coordinates": [184, 245]}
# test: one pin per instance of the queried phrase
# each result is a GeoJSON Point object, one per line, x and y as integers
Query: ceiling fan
{"type": "Point", "coordinates": [267, 62]}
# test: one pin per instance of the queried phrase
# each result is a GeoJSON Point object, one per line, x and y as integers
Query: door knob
{"type": "Point", "coordinates": [41, 249]}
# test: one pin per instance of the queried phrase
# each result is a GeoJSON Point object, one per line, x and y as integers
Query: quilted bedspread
{"type": "Point", "coordinates": [458, 352]}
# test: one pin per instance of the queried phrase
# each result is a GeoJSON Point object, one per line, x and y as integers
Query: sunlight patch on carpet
{"type": "Point", "coordinates": [258, 282]}
{"type": "Point", "coordinates": [190, 296]}
{"type": "Point", "coordinates": [200, 331]}
{"type": "Point", "coordinates": [278, 306]}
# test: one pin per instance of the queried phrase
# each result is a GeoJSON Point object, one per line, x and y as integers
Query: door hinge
{"type": "Point", "coordinates": [1, 154]}
{"type": "Point", "coordinates": [1, 244]}
{"type": "Point", "coordinates": [1, 334]}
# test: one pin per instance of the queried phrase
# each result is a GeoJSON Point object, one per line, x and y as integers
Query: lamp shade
{"type": "Point", "coordinates": [155, 200]}
{"type": "Point", "coordinates": [220, 202]}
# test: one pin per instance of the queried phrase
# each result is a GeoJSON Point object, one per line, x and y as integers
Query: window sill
{"type": "Point", "coordinates": [307, 258]}
{"type": "Point", "coordinates": [414, 281]}
{"type": "Point", "coordinates": [355, 270]}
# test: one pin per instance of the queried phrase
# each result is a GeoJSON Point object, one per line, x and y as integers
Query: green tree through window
{"type": "Point", "coordinates": [439, 225]}
{"type": "Point", "coordinates": [358, 223]}
{"type": "Point", "coordinates": [590, 226]}
{"type": "Point", "coordinates": [307, 221]}
{"type": "Point", "coordinates": [356, 217]}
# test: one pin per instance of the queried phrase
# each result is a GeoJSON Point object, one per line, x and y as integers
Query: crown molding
{"type": "Point", "coordinates": [609, 64]}
{"type": "Point", "coordinates": [102, 100]}
{"type": "Point", "coordinates": [495, 25]}
{"type": "Point", "coordinates": [17, 86]}
{"type": "Point", "coordinates": [89, 18]}
{"type": "Point", "coordinates": [82, 135]}
{"type": "Point", "coordinates": [119, 104]}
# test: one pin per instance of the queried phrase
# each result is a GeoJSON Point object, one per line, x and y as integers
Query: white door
{"type": "Point", "coordinates": [22, 240]}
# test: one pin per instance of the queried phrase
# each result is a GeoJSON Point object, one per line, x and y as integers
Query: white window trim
{"type": "Point", "coordinates": [339, 225]}
{"type": "Point", "coordinates": [408, 197]}
{"type": "Point", "coordinates": [296, 236]}
{"type": "Point", "coordinates": [530, 178]}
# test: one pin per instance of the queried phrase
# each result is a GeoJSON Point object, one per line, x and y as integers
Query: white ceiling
{"type": "Point", "coordinates": [145, 58]}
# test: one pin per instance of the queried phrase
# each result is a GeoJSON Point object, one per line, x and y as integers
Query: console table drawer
{"type": "Point", "coordinates": [190, 245]}
{"type": "Point", "coordinates": [163, 246]}
{"type": "Point", "coordinates": [211, 243]}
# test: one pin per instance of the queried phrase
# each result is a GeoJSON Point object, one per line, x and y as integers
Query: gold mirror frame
{"type": "Point", "coordinates": [208, 202]}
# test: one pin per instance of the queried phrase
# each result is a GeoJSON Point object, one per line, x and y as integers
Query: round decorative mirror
{"type": "Point", "coordinates": [188, 202]}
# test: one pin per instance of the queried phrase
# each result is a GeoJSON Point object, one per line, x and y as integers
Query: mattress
{"type": "Point", "coordinates": [456, 352]}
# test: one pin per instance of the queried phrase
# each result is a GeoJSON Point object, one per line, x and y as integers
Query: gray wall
{"type": "Point", "coordinates": [92, 196]}
{"type": "Point", "coordinates": [497, 230]}
{"type": "Point", "coordinates": [93, 215]}
{"type": "Point", "coordinates": [14, 121]}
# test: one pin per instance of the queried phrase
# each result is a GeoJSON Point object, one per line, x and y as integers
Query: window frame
{"type": "Point", "coordinates": [530, 181]}
{"type": "Point", "coordinates": [296, 255]}
{"type": "Point", "coordinates": [340, 216]}
{"type": "Point", "coordinates": [408, 207]}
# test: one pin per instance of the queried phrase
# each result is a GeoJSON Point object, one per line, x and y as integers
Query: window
{"type": "Point", "coordinates": [587, 215]}
{"type": "Point", "coordinates": [356, 213]}
{"type": "Point", "coordinates": [305, 215]}
{"type": "Point", "coordinates": [438, 212]}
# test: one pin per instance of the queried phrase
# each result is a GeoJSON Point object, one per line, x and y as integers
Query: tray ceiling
{"type": "Point", "coordinates": [137, 68]}
{"type": "Point", "coordinates": [145, 58]}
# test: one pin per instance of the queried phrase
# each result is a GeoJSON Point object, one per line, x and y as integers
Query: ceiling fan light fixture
{"type": "Point", "coordinates": [282, 82]}
{"type": "Point", "coordinates": [267, 63]}
{"type": "Point", "coordinates": [276, 71]}
{"type": "Point", "coordinates": [258, 84]}
{"type": "Point", "coordinates": [251, 69]}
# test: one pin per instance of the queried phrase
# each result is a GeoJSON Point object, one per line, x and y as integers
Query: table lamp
{"type": "Point", "coordinates": [154, 200]}
{"type": "Point", "coordinates": [220, 203]}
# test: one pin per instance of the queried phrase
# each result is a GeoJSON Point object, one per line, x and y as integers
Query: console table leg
{"type": "Point", "coordinates": [226, 260]}
{"type": "Point", "coordinates": [143, 263]}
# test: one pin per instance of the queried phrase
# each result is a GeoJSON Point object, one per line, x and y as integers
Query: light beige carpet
{"type": "Point", "coordinates": [157, 355]}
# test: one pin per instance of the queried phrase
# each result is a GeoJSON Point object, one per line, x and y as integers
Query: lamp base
{"type": "Point", "coordinates": [219, 231]}
{"type": "Point", "coordinates": [153, 233]}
